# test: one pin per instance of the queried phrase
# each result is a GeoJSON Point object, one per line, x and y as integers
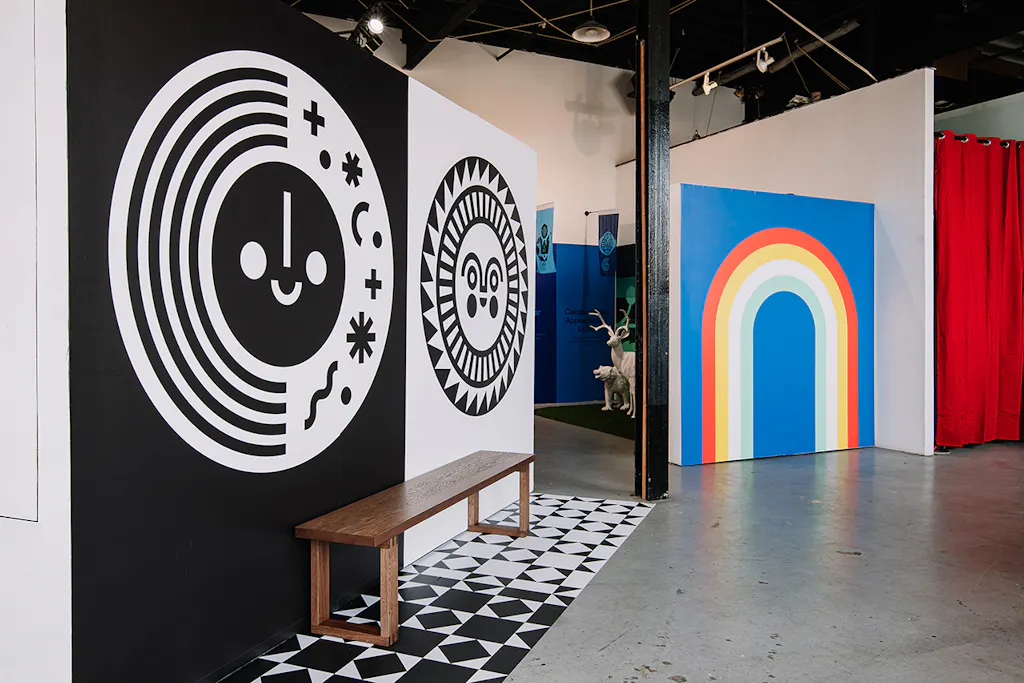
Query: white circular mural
{"type": "Point", "coordinates": [474, 280]}
{"type": "Point", "coordinates": [250, 261]}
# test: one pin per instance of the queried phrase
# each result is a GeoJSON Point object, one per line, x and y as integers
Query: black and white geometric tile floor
{"type": "Point", "coordinates": [473, 608]}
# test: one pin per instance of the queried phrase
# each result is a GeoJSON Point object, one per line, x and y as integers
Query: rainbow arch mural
{"type": "Point", "coordinates": [762, 381]}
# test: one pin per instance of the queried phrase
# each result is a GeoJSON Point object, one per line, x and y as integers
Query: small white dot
{"type": "Point", "coordinates": [316, 268]}
{"type": "Point", "coordinates": [254, 260]}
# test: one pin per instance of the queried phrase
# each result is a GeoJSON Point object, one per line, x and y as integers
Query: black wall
{"type": "Point", "coordinates": [183, 567]}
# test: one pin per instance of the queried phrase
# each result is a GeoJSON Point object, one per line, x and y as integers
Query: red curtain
{"type": "Point", "coordinates": [979, 289]}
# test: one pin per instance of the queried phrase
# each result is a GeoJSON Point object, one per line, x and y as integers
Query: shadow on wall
{"type": "Point", "coordinates": [592, 120]}
{"type": "Point", "coordinates": [891, 312]}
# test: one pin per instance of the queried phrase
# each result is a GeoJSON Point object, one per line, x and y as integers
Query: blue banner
{"type": "Point", "coordinates": [545, 240]}
{"type": "Point", "coordinates": [608, 235]}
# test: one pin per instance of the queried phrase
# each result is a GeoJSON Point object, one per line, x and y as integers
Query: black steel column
{"type": "Point", "coordinates": [652, 248]}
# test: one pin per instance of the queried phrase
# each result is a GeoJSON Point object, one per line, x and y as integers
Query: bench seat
{"type": "Point", "coordinates": [378, 520]}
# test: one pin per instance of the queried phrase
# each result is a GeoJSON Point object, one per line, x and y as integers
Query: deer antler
{"type": "Point", "coordinates": [622, 331]}
{"type": "Point", "coordinates": [603, 325]}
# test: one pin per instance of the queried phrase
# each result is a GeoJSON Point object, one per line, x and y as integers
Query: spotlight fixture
{"type": "Point", "coordinates": [367, 32]}
{"type": "Point", "coordinates": [709, 84]}
{"type": "Point", "coordinates": [764, 60]}
{"type": "Point", "coordinates": [591, 31]}
{"type": "Point", "coordinates": [375, 25]}
{"type": "Point", "coordinates": [365, 39]}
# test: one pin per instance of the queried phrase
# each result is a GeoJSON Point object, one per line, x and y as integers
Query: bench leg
{"type": "Point", "coordinates": [319, 582]}
{"type": "Point", "coordinates": [474, 509]}
{"type": "Point", "coordinates": [524, 511]}
{"type": "Point", "coordinates": [524, 501]}
{"type": "Point", "coordinates": [320, 598]}
{"type": "Point", "coordinates": [389, 591]}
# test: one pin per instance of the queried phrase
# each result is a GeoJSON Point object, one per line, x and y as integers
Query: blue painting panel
{"type": "Point", "coordinates": [769, 272]}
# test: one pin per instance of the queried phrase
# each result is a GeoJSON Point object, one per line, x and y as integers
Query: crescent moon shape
{"type": "Point", "coordinates": [361, 208]}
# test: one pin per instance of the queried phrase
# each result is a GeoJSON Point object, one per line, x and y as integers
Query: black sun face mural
{"type": "Point", "coordinates": [474, 281]}
{"type": "Point", "coordinates": [251, 263]}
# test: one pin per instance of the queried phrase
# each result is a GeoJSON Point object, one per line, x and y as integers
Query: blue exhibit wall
{"type": "Point", "coordinates": [546, 361]}
{"type": "Point", "coordinates": [580, 288]}
{"type": "Point", "coordinates": [572, 280]}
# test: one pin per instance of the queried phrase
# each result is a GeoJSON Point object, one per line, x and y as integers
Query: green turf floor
{"type": "Point", "coordinates": [592, 417]}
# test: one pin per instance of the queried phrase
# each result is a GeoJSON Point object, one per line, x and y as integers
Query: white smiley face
{"type": "Point", "coordinates": [253, 260]}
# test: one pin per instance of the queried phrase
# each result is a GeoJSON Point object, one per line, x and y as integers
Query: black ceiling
{"type": "Point", "coordinates": [972, 42]}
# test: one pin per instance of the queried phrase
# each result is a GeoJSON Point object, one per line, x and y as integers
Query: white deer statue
{"type": "Point", "coordinates": [624, 361]}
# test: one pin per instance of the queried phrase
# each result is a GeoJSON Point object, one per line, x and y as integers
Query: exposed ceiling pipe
{"type": "Point", "coordinates": [743, 55]}
{"type": "Point", "coordinates": [1006, 55]}
{"type": "Point", "coordinates": [830, 45]}
{"type": "Point", "coordinates": [1005, 49]}
{"type": "Point", "coordinates": [1009, 43]}
{"type": "Point", "coordinates": [783, 62]}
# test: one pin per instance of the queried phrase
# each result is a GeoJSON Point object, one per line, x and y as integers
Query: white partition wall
{"type": "Point", "coordinates": [1002, 118]}
{"type": "Point", "coordinates": [18, 474]}
{"type": "Point", "coordinates": [872, 145]}
{"type": "Point", "coordinates": [35, 517]}
{"type": "Point", "coordinates": [470, 332]}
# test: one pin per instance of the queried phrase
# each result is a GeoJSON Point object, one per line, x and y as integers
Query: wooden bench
{"type": "Point", "coordinates": [378, 520]}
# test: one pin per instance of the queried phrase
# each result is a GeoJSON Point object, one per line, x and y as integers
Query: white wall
{"type": "Point", "coordinates": [437, 432]}
{"type": "Point", "coordinates": [1002, 118]}
{"type": "Point", "coordinates": [871, 145]}
{"type": "Point", "coordinates": [18, 245]}
{"type": "Point", "coordinates": [575, 115]}
{"type": "Point", "coordinates": [35, 569]}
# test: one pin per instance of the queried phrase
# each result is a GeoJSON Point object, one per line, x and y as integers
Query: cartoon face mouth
{"type": "Point", "coordinates": [286, 299]}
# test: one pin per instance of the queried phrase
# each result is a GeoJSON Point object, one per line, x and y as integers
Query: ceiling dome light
{"type": "Point", "coordinates": [375, 25]}
{"type": "Point", "coordinates": [591, 31]}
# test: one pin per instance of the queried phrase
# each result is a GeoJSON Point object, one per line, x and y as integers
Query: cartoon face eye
{"type": "Point", "coordinates": [495, 276]}
{"type": "Point", "coordinates": [316, 268]}
{"type": "Point", "coordinates": [254, 260]}
{"type": "Point", "coordinates": [471, 271]}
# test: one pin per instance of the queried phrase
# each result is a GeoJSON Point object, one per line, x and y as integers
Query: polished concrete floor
{"type": "Point", "coordinates": [859, 566]}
